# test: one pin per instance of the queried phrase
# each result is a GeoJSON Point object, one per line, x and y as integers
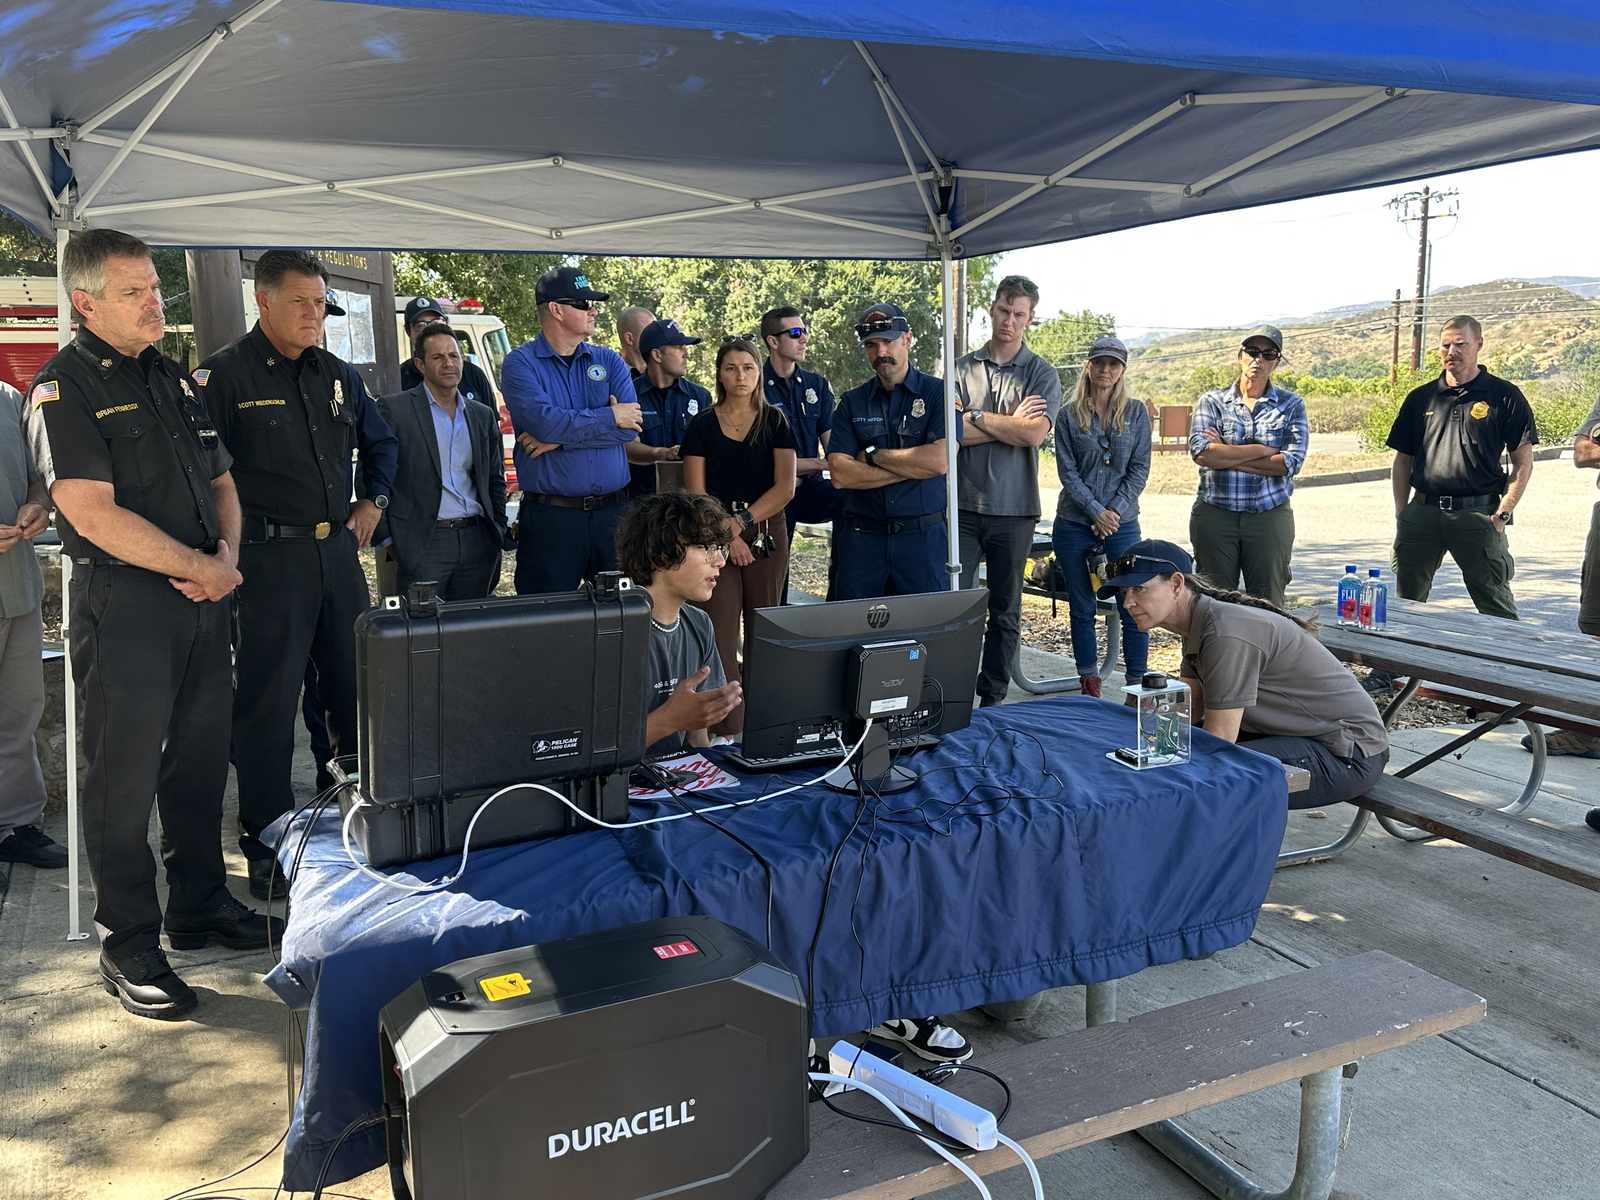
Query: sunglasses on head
{"type": "Point", "coordinates": [1139, 564]}
{"type": "Point", "coordinates": [1262, 352]}
{"type": "Point", "coordinates": [580, 305]}
{"type": "Point", "coordinates": [878, 328]}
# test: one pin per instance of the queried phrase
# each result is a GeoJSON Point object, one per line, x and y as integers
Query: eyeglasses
{"type": "Point", "coordinates": [580, 305]}
{"type": "Point", "coordinates": [1266, 353]}
{"type": "Point", "coordinates": [798, 332]}
{"type": "Point", "coordinates": [872, 329]}
{"type": "Point", "coordinates": [718, 550]}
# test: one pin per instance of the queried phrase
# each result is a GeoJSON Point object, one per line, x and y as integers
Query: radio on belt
{"type": "Point", "coordinates": [664, 1057]}
{"type": "Point", "coordinates": [885, 678]}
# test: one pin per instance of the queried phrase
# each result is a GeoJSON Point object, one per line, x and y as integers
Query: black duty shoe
{"type": "Point", "coordinates": [28, 844]}
{"type": "Point", "coordinates": [147, 986]}
{"type": "Point", "coordinates": [1592, 819]}
{"type": "Point", "coordinates": [231, 923]}
{"type": "Point", "coordinates": [263, 871]}
{"type": "Point", "coordinates": [5, 881]}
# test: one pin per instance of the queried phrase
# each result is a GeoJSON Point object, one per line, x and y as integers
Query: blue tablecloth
{"type": "Point", "coordinates": [1023, 860]}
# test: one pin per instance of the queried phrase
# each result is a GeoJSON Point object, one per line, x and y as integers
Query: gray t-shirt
{"type": "Point", "coordinates": [1286, 681]}
{"type": "Point", "coordinates": [678, 651]}
{"type": "Point", "coordinates": [21, 585]}
{"type": "Point", "coordinates": [995, 478]}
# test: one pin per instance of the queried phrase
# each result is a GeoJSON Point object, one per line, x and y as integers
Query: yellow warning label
{"type": "Point", "coordinates": [504, 987]}
{"type": "Point", "coordinates": [1480, 410]}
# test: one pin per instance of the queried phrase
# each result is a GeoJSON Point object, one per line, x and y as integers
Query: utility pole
{"type": "Point", "coordinates": [1394, 358]}
{"type": "Point", "coordinates": [1418, 207]}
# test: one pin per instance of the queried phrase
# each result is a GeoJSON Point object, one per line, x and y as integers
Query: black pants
{"type": "Point", "coordinates": [299, 599]}
{"type": "Point", "coordinates": [1333, 779]}
{"type": "Point", "coordinates": [153, 668]}
{"type": "Point", "coordinates": [557, 548]}
{"type": "Point", "coordinates": [1004, 543]}
{"type": "Point", "coordinates": [465, 563]}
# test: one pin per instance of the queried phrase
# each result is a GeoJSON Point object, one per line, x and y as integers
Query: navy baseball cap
{"type": "Point", "coordinates": [565, 283]}
{"type": "Point", "coordinates": [1142, 562]}
{"type": "Point", "coordinates": [1108, 347]}
{"type": "Point", "coordinates": [422, 304]}
{"type": "Point", "coordinates": [663, 333]}
{"type": "Point", "coordinates": [882, 321]}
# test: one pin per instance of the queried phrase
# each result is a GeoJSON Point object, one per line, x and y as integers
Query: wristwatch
{"type": "Point", "coordinates": [976, 416]}
{"type": "Point", "coordinates": [745, 519]}
{"type": "Point", "coordinates": [870, 455]}
{"type": "Point", "coordinates": [380, 501]}
{"type": "Point", "coordinates": [1505, 515]}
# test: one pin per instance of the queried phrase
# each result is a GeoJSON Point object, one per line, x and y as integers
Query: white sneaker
{"type": "Point", "coordinates": [928, 1037]}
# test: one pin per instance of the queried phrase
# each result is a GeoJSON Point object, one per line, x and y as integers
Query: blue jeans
{"type": "Point", "coordinates": [1073, 543]}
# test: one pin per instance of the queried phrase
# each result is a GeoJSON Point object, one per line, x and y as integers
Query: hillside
{"type": "Point", "coordinates": [1531, 331]}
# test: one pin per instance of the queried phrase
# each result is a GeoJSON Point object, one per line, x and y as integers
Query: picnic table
{"type": "Point", "coordinates": [1510, 670]}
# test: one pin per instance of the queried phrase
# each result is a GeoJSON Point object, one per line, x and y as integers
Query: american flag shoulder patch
{"type": "Point", "coordinates": [45, 392]}
{"type": "Point", "coordinates": [201, 375]}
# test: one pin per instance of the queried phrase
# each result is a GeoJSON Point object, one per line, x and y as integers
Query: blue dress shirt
{"type": "Point", "coordinates": [568, 405]}
{"type": "Point", "coordinates": [457, 496]}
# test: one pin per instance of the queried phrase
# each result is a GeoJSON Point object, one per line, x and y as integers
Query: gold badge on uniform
{"type": "Point", "coordinates": [918, 408]}
{"type": "Point", "coordinates": [1480, 410]}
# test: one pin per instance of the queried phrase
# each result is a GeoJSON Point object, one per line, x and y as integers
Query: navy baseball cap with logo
{"type": "Point", "coordinates": [663, 333]}
{"type": "Point", "coordinates": [422, 304]}
{"type": "Point", "coordinates": [882, 321]}
{"type": "Point", "coordinates": [1142, 562]}
{"type": "Point", "coordinates": [565, 283]}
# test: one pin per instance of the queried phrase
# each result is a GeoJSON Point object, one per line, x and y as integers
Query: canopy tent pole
{"type": "Point", "coordinates": [952, 416]}
{"type": "Point", "coordinates": [75, 932]}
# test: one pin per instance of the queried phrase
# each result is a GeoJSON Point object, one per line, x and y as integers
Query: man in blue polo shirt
{"type": "Point", "coordinates": [667, 401]}
{"type": "Point", "coordinates": [573, 408]}
{"type": "Point", "coordinates": [887, 451]}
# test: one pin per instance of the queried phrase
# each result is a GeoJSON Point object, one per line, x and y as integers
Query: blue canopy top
{"type": "Point", "coordinates": [759, 127]}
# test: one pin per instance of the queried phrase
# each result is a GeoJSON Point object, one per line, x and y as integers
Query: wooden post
{"type": "Point", "coordinates": [216, 297]}
{"type": "Point", "coordinates": [385, 337]}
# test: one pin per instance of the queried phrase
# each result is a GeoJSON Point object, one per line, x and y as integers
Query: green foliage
{"type": "Point", "coordinates": [1337, 414]}
{"type": "Point", "coordinates": [1581, 357]}
{"type": "Point", "coordinates": [1063, 340]}
{"type": "Point", "coordinates": [713, 297]}
{"type": "Point", "coordinates": [1205, 379]}
{"type": "Point", "coordinates": [1380, 417]}
{"type": "Point", "coordinates": [1361, 366]}
{"type": "Point", "coordinates": [22, 251]}
{"type": "Point", "coordinates": [1556, 412]}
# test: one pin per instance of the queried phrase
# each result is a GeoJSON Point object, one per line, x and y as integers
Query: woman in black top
{"type": "Point", "coordinates": [742, 451]}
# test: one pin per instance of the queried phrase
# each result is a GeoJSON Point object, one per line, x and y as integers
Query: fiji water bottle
{"type": "Point", "coordinates": [1374, 601]}
{"type": "Point", "coordinates": [1350, 597]}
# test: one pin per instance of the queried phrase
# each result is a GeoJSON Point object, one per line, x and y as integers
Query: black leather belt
{"type": "Point", "coordinates": [587, 503]}
{"type": "Point", "coordinates": [1449, 503]}
{"type": "Point", "coordinates": [101, 562]}
{"type": "Point", "coordinates": [458, 523]}
{"type": "Point", "coordinates": [890, 528]}
{"type": "Point", "coordinates": [257, 529]}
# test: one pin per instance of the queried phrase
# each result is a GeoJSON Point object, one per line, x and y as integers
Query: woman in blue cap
{"type": "Point", "coordinates": [1103, 459]}
{"type": "Point", "coordinates": [1259, 675]}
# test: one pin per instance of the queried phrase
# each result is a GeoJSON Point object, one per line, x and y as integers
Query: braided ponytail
{"type": "Point", "coordinates": [1202, 586]}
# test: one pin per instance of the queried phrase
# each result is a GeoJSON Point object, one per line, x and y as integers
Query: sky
{"type": "Point", "coordinates": [1522, 220]}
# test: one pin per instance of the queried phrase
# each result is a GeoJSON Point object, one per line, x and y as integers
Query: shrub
{"type": "Point", "coordinates": [1337, 414]}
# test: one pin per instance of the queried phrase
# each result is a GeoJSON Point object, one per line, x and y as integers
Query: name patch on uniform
{"type": "Point", "coordinates": [46, 392]}
{"type": "Point", "coordinates": [202, 375]}
{"type": "Point", "coordinates": [1480, 410]}
{"type": "Point", "coordinates": [262, 404]}
{"type": "Point", "coordinates": [106, 412]}
{"type": "Point", "coordinates": [596, 372]}
{"type": "Point", "coordinates": [918, 408]}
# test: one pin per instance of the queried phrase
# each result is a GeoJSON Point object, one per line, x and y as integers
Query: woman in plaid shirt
{"type": "Point", "coordinates": [1249, 440]}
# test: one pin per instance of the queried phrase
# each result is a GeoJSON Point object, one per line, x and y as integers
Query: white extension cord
{"type": "Point", "coordinates": [466, 842]}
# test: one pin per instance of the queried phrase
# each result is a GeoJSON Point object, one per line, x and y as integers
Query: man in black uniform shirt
{"type": "Point", "coordinates": [149, 514]}
{"type": "Point", "coordinates": [290, 413]}
{"type": "Point", "coordinates": [1448, 440]}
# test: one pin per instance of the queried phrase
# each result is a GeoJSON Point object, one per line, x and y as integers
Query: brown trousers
{"type": "Point", "coordinates": [739, 592]}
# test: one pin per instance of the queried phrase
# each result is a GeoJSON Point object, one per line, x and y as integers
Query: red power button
{"type": "Point", "coordinates": [676, 949]}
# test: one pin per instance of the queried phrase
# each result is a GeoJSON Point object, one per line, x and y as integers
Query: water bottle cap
{"type": "Point", "coordinates": [1375, 573]}
{"type": "Point", "coordinates": [1153, 681]}
{"type": "Point", "coordinates": [1350, 570]}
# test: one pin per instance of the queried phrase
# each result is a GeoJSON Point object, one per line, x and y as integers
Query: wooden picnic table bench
{"type": "Point", "coordinates": [1509, 669]}
{"type": "Point", "coordinates": [1114, 1077]}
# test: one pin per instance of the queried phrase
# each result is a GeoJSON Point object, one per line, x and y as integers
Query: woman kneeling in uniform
{"type": "Point", "coordinates": [1260, 676]}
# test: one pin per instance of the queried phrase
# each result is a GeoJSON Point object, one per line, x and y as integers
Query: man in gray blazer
{"type": "Point", "coordinates": [447, 515]}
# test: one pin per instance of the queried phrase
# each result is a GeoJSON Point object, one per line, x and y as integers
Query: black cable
{"type": "Point", "coordinates": [362, 1122]}
{"type": "Point", "coordinates": [932, 1135]}
{"type": "Point", "coordinates": [938, 1074]}
{"type": "Point", "coordinates": [679, 795]}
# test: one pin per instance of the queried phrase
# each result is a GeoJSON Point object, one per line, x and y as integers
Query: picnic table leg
{"type": "Point", "coordinates": [1069, 683]}
{"type": "Point", "coordinates": [1100, 1003]}
{"type": "Point", "coordinates": [1294, 858]}
{"type": "Point", "coordinates": [1320, 1095]}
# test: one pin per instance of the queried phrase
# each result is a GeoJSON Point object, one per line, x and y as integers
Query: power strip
{"type": "Point", "coordinates": [945, 1111]}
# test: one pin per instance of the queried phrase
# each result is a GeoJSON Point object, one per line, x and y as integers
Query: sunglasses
{"type": "Point", "coordinates": [1105, 448]}
{"type": "Point", "coordinates": [798, 332]}
{"type": "Point", "coordinates": [1267, 353]}
{"type": "Point", "coordinates": [580, 305]}
{"type": "Point", "coordinates": [872, 329]}
{"type": "Point", "coordinates": [1138, 564]}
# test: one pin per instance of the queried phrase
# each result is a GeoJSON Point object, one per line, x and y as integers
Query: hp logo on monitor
{"type": "Point", "coordinates": [878, 616]}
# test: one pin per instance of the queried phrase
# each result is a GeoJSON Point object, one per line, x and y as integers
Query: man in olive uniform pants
{"type": "Point", "coordinates": [150, 518]}
{"type": "Point", "coordinates": [290, 413]}
{"type": "Point", "coordinates": [1448, 440]}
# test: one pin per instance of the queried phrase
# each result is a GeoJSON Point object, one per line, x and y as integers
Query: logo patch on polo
{"type": "Point", "coordinates": [596, 372]}
{"type": "Point", "coordinates": [46, 392]}
{"type": "Point", "coordinates": [1480, 410]}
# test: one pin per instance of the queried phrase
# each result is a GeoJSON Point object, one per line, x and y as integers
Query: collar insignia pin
{"type": "Point", "coordinates": [105, 362]}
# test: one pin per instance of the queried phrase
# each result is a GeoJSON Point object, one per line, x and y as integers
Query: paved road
{"type": "Point", "coordinates": [1355, 523]}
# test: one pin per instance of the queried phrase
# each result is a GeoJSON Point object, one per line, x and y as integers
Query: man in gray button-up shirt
{"type": "Point", "coordinates": [24, 514]}
{"type": "Point", "coordinates": [1009, 398]}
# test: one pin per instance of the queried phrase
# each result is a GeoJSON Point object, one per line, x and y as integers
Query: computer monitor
{"type": "Point", "coordinates": [801, 661]}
